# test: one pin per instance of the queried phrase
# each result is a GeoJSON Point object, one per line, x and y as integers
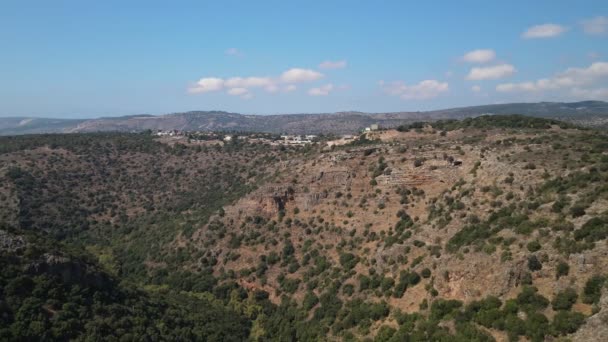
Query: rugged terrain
{"type": "Point", "coordinates": [491, 228]}
{"type": "Point", "coordinates": [586, 113]}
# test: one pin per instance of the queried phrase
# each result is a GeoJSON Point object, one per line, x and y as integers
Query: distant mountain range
{"type": "Point", "coordinates": [585, 113]}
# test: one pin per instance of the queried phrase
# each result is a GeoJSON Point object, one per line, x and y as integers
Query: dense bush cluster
{"type": "Point", "coordinates": [71, 299]}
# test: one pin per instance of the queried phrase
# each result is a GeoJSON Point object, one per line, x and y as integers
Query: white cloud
{"type": "Point", "coordinates": [590, 94]}
{"type": "Point", "coordinates": [272, 88]}
{"type": "Point", "coordinates": [479, 56]}
{"type": "Point", "coordinates": [426, 89]}
{"type": "Point", "coordinates": [244, 85]}
{"type": "Point", "coordinates": [597, 25]}
{"type": "Point", "coordinates": [332, 65]}
{"type": "Point", "coordinates": [237, 91]}
{"type": "Point", "coordinates": [323, 90]}
{"type": "Point", "coordinates": [491, 73]}
{"type": "Point", "coordinates": [233, 52]}
{"type": "Point", "coordinates": [207, 84]}
{"type": "Point", "coordinates": [572, 79]}
{"type": "Point", "coordinates": [297, 75]}
{"type": "Point", "coordinates": [522, 86]}
{"type": "Point", "coordinates": [248, 82]}
{"type": "Point", "coordinates": [544, 31]}
{"type": "Point", "coordinates": [476, 89]}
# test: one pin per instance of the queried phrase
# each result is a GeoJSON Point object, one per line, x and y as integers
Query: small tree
{"type": "Point", "coordinates": [534, 264]}
{"type": "Point", "coordinates": [562, 269]}
{"type": "Point", "coordinates": [564, 299]}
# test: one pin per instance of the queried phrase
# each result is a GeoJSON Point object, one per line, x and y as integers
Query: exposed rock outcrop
{"type": "Point", "coordinates": [70, 271]}
{"type": "Point", "coordinates": [596, 326]}
{"type": "Point", "coordinates": [10, 242]}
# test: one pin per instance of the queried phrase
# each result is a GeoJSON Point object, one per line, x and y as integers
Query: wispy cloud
{"type": "Point", "coordinates": [297, 75]}
{"type": "Point", "coordinates": [575, 80]}
{"type": "Point", "coordinates": [479, 56]}
{"type": "Point", "coordinates": [596, 26]}
{"type": "Point", "coordinates": [424, 90]}
{"type": "Point", "coordinates": [593, 55]}
{"type": "Point", "coordinates": [491, 72]}
{"type": "Point", "coordinates": [544, 31]}
{"type": "Point", "coordinates": [590, 94]}
{"type": "Point", "coordinates": [238, 91]}
{"type": "Point", "coordinates": [328, 65]}
{"type": "Point", "coordinates": [233, 52]}
{"type": "Point", "coordinates": [323, 90]}
{"type": "Point", "coordinates": [248, 82]}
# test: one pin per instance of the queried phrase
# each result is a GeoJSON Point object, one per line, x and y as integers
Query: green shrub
{"type": "Point", "coordinates": [537, 326]}
{"type": "Point", "coordinates": [468, 235]}
{"type": "Point", "coordinates": [593, 230]}
{"type": "Point", "coordinates": [486, 311]}
{"type": "Point", "coordinates": [348, 261]}
{"type": "Point", "coordinates": [534, 246]}
{"type": "Point", "coordinates": [385, 333]}
{"type": "Point", "coordinates": [441, 308]}
{"type": "Point", "coordinates": [289, 285]}
{"type": "Point", "coordinates": [530, 300]}
{"type": "Point", "coordinates": [566, 322]}
{"type": "Point", "coordinates": [593, 289]}
{"type": "Point", "coordinates": [359, 311]}
{"type": "Point", "coordinates": [348, 289]}
{"type": "Point", "coordinates": [564, 300]}
{"type": "Point", "coordinates": [309, 301]}
{"type": "Point", "coordinates": [534, 264]}
{"type": "Point", "coordinates": [562, 269]}
{"type": "Point", "coordinates": [577, 210]}
{"type": "Point", "coordinates": [386, 284]}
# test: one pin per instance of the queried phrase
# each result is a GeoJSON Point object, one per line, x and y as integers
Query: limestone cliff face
{"type": "Point", "coordinates": [266, 201]}
{"type": "Point", "coordinates": [316, 186]}
{"type": "Point", "coordinates": [351, 201]}
{"type": "Point", "coordinates": [596, 326]}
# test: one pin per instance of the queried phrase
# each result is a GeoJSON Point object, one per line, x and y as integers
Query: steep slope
{"type": "Point", "coordinates": [426, 216]}
{"type": "Point", "coordinates": [80, 213]}
{"type": "Point", "coordinates": [47, 292]}
{"type": "Point", "coordinates": [113, 187]}
{"type": "Point", "coordinates": [491, 228]}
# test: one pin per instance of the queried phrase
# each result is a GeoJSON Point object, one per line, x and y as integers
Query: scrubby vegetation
{"type": "Point", "coordinates": [64, 296]}
{"type": "Point", "coordinates": [462, 224]}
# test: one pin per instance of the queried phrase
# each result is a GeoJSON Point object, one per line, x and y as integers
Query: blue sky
{"type": "Point", "coordinates": [109, 58]}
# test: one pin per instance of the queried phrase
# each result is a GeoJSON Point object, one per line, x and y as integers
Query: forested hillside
{"type": "Point", "coordinates": [490, 228]}
{"type": "Point", "coordinates": [54, 292]}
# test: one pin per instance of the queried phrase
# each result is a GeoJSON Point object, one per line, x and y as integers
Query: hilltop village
{"type": "Point", "coordinates": [198, 137]}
